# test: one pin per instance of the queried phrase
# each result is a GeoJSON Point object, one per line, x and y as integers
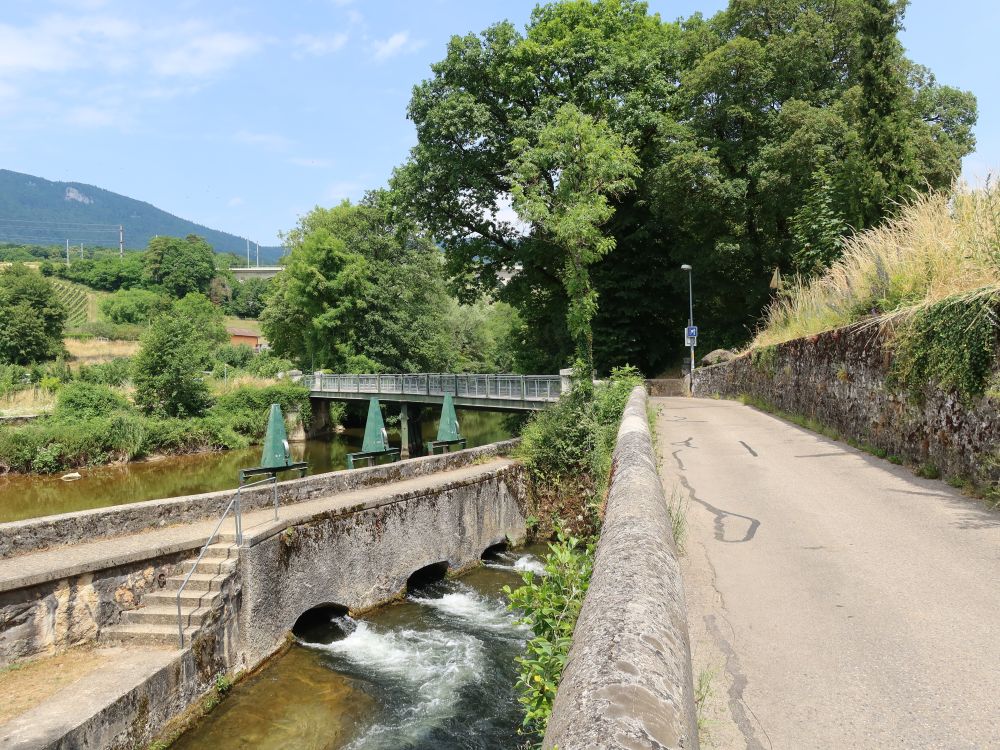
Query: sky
{"type": "Point", "coordinates": [243, 115]}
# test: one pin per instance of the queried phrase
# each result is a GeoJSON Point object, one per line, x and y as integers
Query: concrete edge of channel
{"type": "Point", "coordinates": [48, 532]}
{"type": "Point", "coordinates": [628, 679]}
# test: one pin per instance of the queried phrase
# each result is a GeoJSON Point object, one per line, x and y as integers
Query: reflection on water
{"type": "Point", "coordinates": [296, 702]}
{"type": "Point", "coordinates": [437, 671]}
{"type": "Point", "coordinates": [24, 496]}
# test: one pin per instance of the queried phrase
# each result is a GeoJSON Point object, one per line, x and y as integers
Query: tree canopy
{"type": "Point", "coordinates": [180, 266]}
{"type": "Point", "coordinates": [31, 317]}
{"type": "Point", "coordinates": [772, 124]}
{"type": "Point", "coordinates": [363, 290]}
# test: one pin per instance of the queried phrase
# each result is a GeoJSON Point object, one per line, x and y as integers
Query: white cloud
{"type": "Point", "coordinates": [235, 201]}
{"type": "Point", "coordinates": [271, 141]}
{"type": "Point", "coordinates": [300, 161]}
{"type": "Point", "coordinates": [94, 117]}
{"type": "Point", "coordinates": [206, 54]}
{"type": "Point", "coordinates": [317, 46]}
{"type": "Point", "coordinates": [396, 44]}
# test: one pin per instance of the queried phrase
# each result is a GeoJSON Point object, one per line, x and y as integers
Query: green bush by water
{"type": "Point", "coordinates": [94, 424]}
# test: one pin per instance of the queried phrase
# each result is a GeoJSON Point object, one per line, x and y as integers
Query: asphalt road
{"type": "Point", "coordinates": [835, 600]}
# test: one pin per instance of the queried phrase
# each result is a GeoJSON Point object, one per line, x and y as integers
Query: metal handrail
{"type": "Point", "coordinates": [238, 519]}
{"type": "Point", "coordinates": [488, 387]}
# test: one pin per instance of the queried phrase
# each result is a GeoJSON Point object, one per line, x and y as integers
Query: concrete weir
{"type": "Point", "coordinates": [346, 539]}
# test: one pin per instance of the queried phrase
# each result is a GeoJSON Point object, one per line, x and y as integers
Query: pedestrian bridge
{"type": "Point", "coordinates": [469, 391]}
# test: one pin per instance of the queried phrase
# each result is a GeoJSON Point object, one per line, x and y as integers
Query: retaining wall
{"type": "Point", "coordinates": [21, 537]}
{"type": "Point", "coordinates": [627, 683]}
{"type": "Point", "coordinates": [840, 379]}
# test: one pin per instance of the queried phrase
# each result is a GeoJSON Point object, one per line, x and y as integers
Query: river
{"type": "Point", "coordinates": [29, 496]}
{"type": "Point", "coordinates": [433, 672]}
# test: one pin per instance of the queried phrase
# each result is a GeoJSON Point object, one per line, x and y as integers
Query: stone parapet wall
{"type": "Point", "coordinates": [839, 378]}
{"type": "Point", "coordinates": [627, 682]}
{"type": "Point", "coordinates": [22, 537]}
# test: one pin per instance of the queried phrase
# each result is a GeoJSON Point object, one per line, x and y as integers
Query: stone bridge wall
{"type": "Point", "coordinates": [627, 683]}
{"type": "Point", "coordinates": [362, 559]}
{"type": "Point", "coordinates": [839, 378]}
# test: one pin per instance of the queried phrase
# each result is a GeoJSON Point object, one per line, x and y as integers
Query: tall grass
{"type": "Point", "coordinates": [940, 246]}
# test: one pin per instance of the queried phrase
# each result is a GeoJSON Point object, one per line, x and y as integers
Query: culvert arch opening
{"type": "Point", "coordinates": [427, 575]}
{"type": "Point", "coordinates": [494, 552]}
{"type": "Point", "coordinates": [324, 623]}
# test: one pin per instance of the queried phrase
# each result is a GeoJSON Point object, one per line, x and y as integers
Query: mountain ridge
{"type": "Point", "coordinates": [32, 210]}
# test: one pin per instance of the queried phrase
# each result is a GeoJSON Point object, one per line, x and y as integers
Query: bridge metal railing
{"type": "Point", "coordinates": [497, 387]}
{"type": "Point", "coordinates": [234, 508]}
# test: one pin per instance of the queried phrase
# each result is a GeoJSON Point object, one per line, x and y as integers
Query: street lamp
{"type": "Point", "coordinates": [690, 339]}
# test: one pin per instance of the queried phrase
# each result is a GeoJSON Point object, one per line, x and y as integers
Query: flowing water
{"type": "Point", "coordinates": [29, 496]}
{"type": "Point", "coordinates": [434, 672]}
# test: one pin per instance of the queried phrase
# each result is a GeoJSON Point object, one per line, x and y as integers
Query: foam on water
{"type": "Point", "coordinates": [432, 666]}
{"type": "Point", "coordinates": [521, 564]}
{"type": "Point", "coordinates": [530, 564]}
{"type": "Point", "coordinates": [474, 609]}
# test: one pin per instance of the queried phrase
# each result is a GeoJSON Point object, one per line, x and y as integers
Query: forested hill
{"type": "Point", "coordinates": [31, 208]}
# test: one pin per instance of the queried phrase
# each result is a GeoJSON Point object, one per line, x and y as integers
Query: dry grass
{"type": "Point", "coordinates": [940, 246]}
{"type": "Point", "coordinates": [94, 351]}
{"type": "Point", "coordinates": [27, 401]}
{"type": "Point", "coordinates": [220, 386]}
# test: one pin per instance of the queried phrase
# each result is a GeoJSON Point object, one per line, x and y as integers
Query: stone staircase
{"type": "Point", "coordinates": [154, 623]}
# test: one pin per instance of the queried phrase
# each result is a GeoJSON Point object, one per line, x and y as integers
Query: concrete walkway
{"type": "Point", "coordinates": [102, 689]}
{"type": "Point", "coordinates": [64, 562]}
{"type": "Point", "coordinates": [835, 600]}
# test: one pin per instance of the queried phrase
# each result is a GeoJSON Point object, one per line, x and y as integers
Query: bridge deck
{"type": "Point", "coordinates": [492, 392]}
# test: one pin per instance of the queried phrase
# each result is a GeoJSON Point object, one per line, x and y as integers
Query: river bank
{"type": "Point", "coordinates": [25, 496]}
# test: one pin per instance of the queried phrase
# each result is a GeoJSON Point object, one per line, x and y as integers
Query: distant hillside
{"type": "Point", "coordinates": [32, 209]}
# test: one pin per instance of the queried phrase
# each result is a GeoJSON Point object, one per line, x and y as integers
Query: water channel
{"type": "Point", "coordinates": [29, 496]}
{"type": "Point", "coordinates": [433, 672]}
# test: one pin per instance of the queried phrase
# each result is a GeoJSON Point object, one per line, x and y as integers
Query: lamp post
{"type": "Point", "coordinates": [687, 268]}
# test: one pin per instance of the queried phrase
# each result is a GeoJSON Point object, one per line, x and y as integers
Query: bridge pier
{"type": "Point", "coordinates": [404, 431]}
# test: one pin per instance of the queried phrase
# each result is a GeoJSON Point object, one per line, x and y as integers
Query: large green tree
{"type": "Point", "coordinates": [561, 184]}
{"type": "Point", "coordinates": [747, 127]}
{"type": "Point", "coordinates": [180, 266]}
{"type": "Point", "coordinates": [167, 370]}
{"type": "Point", "coordinates": [31, 317]}
{"type": "Point", "coordinates": [362, 290]}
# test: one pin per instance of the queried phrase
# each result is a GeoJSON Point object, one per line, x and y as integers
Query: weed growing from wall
{"type": "Point", "coordinates": [550, 604]}
{"type": "Point", "coordinates": [951, 345]}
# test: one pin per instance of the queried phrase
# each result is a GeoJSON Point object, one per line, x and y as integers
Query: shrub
{"type": "Point", "coordinates": [135, 306]}
{"type": "Point", "coordinates": [550, 605]}
{"type": "Point", "coordinates": [267, 365]}
{"type": "Point", "coordinates": [167, 371]}
{"type": "Point", "coordinates": [115, 373]}
{"type": "Point", "coordinates": [235, 355]}
{"type": "Point", "coordinates": [81, 400]}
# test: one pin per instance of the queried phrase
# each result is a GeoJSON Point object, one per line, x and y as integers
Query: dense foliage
{"type": "Point", "coordinates": [94, 424]}
{"type": "Point", "coordinates": [180, 266]}
{"type": "Point", "coordinates": [31, 317]}
{"type": "Point", "coordinates": [550, 604]}
{"type": "Point", "coordinates": [364, 291]}
{"type": "Point", "coordinates": [168, 370]}
{"type": "Point", "coordinates": [773, 123]}
{"type": "Point", "coordinates": [133, 306]}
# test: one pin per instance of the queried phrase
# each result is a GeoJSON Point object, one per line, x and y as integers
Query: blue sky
{"type": "Point", "coordinates": [244, 115]}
